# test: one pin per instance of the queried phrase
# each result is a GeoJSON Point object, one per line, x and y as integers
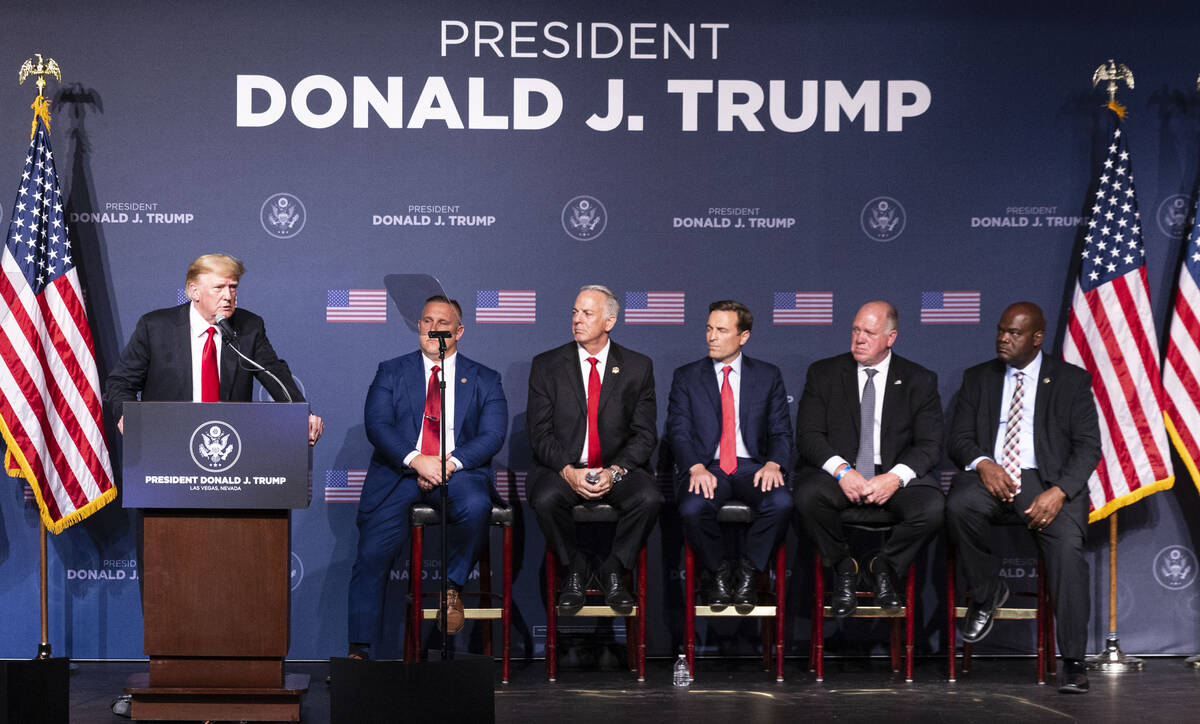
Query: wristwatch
{"type": "Point", "coordinates": [617, 475]}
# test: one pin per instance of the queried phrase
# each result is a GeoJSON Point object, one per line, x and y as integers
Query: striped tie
{"type": "Point", "coordinates": [1012, 434]}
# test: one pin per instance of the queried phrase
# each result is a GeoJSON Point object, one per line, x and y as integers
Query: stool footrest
{"type": "Point", "coordinates": [1007, 614]}
{"type": "Point", "coordinates": [867, 612]}
{"type": "Point", "coordinates": [600, 610]}
{"type": "Point", "coordinates": [471, 614]}
{"type": "Point", "coordinates": [756, 612]}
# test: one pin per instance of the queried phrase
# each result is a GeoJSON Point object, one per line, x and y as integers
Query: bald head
{"type": "Point", "coordinates": [1019, 334]}
{"type": "Point", "coordinates": [873, 332]}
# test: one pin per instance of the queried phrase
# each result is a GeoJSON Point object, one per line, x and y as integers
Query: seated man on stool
{"type": "Point", "coordinates": [1027, 437]}
{"type": "Point", "coordinates": [592, 425]}
{"type": "Point", "coordinates": [730, 433]}
{"type": "Point", "coordinates": [883, 412]}
{"type": "Point", "coordinates": [403, 410]}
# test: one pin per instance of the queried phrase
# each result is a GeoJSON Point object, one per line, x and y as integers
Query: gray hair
{"type": "Point", "coordinates": [611, 306]}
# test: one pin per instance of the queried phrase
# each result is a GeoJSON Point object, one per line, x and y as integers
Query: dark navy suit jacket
{"type": "Point", "coordinates": [395, 410]}
{"type": "Point", "coordinates": [694, 413]}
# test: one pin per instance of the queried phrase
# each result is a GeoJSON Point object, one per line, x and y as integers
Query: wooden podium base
{"type": "Point", "coordinates": [199, 703]}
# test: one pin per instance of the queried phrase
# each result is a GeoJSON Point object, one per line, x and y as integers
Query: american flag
{"type": "Point", "coordinates": [1181, 372]}
{"type": "Point", "coordinates": [654, 307]}
{"type": "Point", "coordinates": [945, 477]}
{"type": "Point", "coordinates": [505, 306]}
{"type": "Point", "coordinates": [511, 484]}
{"type": "Point", "coordinates": [50, 408]}
{"type": "Point", "coordinates": [356, 305]}
{"type": "Point", "coordinates": [344, 486]}
{"type": "Point", "coordinates": [1110, 333]}
{"type": "Point", "coordinates": [949, 307]}
{"type": "Point", "coordinates": [802, 308]}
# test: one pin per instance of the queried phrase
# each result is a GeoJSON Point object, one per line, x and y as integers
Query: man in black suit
{"type": "Point", "coordinates": [889, 469]}
{"type": "Point", "coordinates": [1027, 437]}
{"type": "Point", "coordinates": [172, 355]}
{"type": "Point", "coordinates": [591, 420]}
{"type": "Point", "coordinates": [730, 433]}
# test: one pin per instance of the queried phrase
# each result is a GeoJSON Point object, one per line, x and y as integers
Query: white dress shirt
{"type": "Point", "coordinates": [199, 335]}
{"type": "Point", "coordinates": [735, 384]}
{"type": "Point", "coordinates": [1029, 387]}
{"type": "Point", "coordinates": [905, 473]}
{"type": "Point", "coordinates": [448, 375]}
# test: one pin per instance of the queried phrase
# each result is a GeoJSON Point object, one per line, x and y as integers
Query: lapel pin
{"type": "Point", "coordinates": [615, 370]}
{"type": "Point", "coordinates": [896, 382]}
{"type": "Point", "coordinates": [1045, 380]}
{"type": "Point", "coordinates": [463, 380]}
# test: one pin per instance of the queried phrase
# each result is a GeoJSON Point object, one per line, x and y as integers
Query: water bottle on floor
{"type": "Point", "coordinates": [681, 677]}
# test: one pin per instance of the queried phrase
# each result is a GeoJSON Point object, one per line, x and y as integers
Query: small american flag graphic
{"type": "Point", "coordinates": [654, 307]}
{"type": "Point", "coordinates": [511, 485]}
{"type": "Point", "coordinates": [344, 486]}
{"type": "Point", "coordinates": [356, 305]}
{"type": "Point", "coordinates": [505, 306]}
{"type": "Point", "coordinates": [802, 308]}
{"type": "Point", "coordinates": [949, 307]}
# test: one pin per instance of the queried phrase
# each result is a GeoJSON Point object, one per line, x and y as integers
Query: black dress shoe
{"type": "Point", "coordinates": [844, 598]}
{"type": "Point", "coordinates": [615, 593]}
{"type": "Point", "coordinates": [885, 592]}
{"type": "Point", "coordinates": [718, 593]}
{"type": "Point", "coordinates": [1074, 677]}
{"type": "Point", "coordinates": [745, 596]}
{"type": "Point", "coordinates": [980, 616]}
{"type": "Point", "coordinates": [573, 592]}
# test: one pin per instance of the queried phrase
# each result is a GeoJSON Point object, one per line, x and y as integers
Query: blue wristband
{"type": "Point", "coordinates": [841, 473]}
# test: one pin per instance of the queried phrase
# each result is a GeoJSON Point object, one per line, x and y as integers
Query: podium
{"type": "Point", "coordinates": [216, 483]}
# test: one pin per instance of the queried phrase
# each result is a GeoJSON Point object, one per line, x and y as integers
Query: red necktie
{"type": "Point", "coordinates": [594, 416]}
{"type": "Point", "coordinates": [431, 434]}
{"type": "Point", "coordinates": [728, 427]}
{"type": "Point", "coordinates": [210, 381]}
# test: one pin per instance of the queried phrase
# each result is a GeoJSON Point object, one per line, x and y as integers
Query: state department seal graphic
{"type": "Point", "coordinates": [262, 395]}
{"type": "Point", "coordinates": [1175, 568]}
{"type": "Point", "coordinates": [215, 446]}
{"type": "Point", "coordinates": [283, 216]}
{"type": "Point", "coordinates": [1174, 215]}
{"type": "Point", "coordinates": [584, 218]}
{"type": "Point", "coordinates": [883, 218]}
{"type": "Point", "coordinates": [297, 572]}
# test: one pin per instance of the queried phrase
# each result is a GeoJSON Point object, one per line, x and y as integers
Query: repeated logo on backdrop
{"type": "Point", "coordinates": [584, 218]}
{"type": "Point", "coordinates": [1175, 568]}
{"type": "Point", "coordinates": [283, 215]}
{"type": "Point", "coordinates": [883, 218]}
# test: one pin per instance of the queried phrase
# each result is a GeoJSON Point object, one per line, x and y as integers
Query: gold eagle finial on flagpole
{"type": "Point", "coordinates": [1113, 73]}
{"type": "Point", "coordinates": [43, 68]}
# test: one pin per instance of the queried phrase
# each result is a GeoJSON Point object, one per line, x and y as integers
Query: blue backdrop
{"type": "Point", "coordinates": [881, 150]}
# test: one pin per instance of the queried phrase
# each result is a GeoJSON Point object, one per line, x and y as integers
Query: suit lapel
{"type": "Point", "coordinates": [993, 394]}
{"type": "Point", "coordinates": [1041, 403]}
{"type": "Point", "coordinates": [183, 336]}
{"type": "Point", "coordinates": [464, 388]}
{"type": "Point", "coordinates": [612, 376]}
{"type": "Point", "coordinates": [229, 368]}
{"type": "Point", "coordinates": [746, 393]}
{"type": "Point", "coordinates": [574, 378]}
{"type": "Point", "coordinates": [850, 392]}
{"type": "Point", "coordinates": [413, 374]}
{"type": "Point", "coordinates": [893, 394]}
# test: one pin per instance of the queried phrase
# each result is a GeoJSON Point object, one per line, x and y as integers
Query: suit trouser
{"type": "Point", "coordinates": [772, 509]}
{"type": "Point", "coordinates": [970, 512]}
{"type": "Point", "coordinates": [919, 506]}
{"type": "Point", "coordinates": [382, 533]}
{"type": "Point", "coordinates": [636, 499]}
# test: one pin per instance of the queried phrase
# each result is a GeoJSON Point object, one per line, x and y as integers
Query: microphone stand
{"type": "Point", "coordinates": [444, 608]}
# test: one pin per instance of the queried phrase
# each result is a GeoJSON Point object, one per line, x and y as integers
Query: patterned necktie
{"type": "Point", "coordinates": [1012, 434]}
{"type": "Point", "coordinates": [210, 381]}
{"type": "Point", "coordinates": [593, 412]}
{"type": "Point", "coordinates": [431, 433]}
{"type": "Point", "coordinates": [865, 462]}
{"type": "Point", "coordinates": [728, 427]}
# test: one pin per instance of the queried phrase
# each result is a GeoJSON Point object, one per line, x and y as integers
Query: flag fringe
{"type": "Point", "coordinates": [12, 454]}
{"type": "Point", "coordinates": [1180, 448]}
{"type": "Point", "coordinates": [1130, 498]}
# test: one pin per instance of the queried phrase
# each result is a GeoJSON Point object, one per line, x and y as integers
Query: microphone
{"type": "Point", "coordinates": [227, 331]}
{"type": "Point", "coordinates": [445, 334]}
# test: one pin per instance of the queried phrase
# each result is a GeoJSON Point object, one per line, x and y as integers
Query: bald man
{"type": "Point", "coordinates": [842, 468]}
{"type": "Point", "coordinates": [1027, 439]}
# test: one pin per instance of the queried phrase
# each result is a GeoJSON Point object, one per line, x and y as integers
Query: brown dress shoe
{"type": "Point", "coordinates": [455, 615]}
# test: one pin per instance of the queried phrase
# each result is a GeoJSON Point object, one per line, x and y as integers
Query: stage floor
{"type": "Point", "coordinates": [854, 690]}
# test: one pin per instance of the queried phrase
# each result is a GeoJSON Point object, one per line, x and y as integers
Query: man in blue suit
{"type": "Point", "coordinates": [729, 430]}
{"type": "Point", "coordinates": [402, 416]}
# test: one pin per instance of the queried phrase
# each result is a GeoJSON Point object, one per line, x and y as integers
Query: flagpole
{"type": "Point", "coordinates": [43, 651]}
{"type": "Point", "coordinates": [1112, 660]}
